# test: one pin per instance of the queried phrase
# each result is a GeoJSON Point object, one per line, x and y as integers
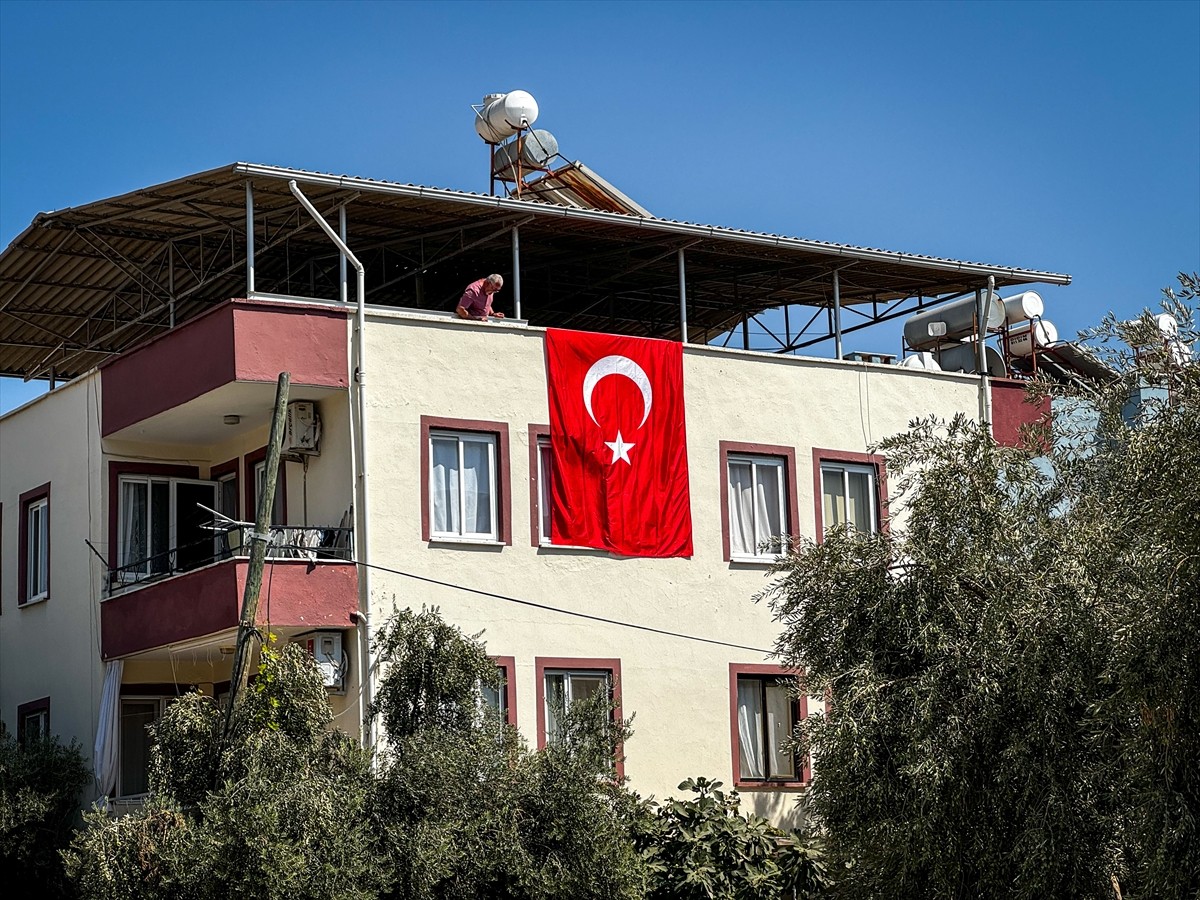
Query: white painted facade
{"type": "Point", "coordinates": [678, 690]}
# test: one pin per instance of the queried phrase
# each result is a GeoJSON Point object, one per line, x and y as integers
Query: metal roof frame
{"type": "Point", "coordinates": [83, 284]}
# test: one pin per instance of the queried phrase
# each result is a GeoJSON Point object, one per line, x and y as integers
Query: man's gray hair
{"type": "Point", "coordinates": [497, 280]}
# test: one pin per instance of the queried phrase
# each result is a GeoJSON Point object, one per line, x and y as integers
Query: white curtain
{"type": "Point", "coordinates": [741, 510]}
{"type": "Point", "coordinates": [133, 533]}
{"type": "Point", "coordinates": [443, 486]}
{"type": "Point", "coordinates": [750, 728]}
{"type": "Point", "coordinates": [477, 487]}
{"type": "Point", "coordinates": [104, 756]}
{"type": "Point", "coordinates": [858, 495]}
{"type": "Point", "coordinates": [769, 503]}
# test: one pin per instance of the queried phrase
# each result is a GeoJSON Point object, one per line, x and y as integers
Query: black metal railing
{"type": "Point", "coordinates": [291, 542]}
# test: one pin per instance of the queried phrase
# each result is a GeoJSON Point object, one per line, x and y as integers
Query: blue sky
{"type": "Point", "coordinates": [1059, 136]}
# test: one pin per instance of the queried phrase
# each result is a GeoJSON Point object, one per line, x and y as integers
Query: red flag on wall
{"type": "Point", "coordinates": [618, 444]}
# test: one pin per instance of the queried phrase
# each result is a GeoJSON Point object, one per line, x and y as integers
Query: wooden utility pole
{"type": "Point", "coordinates": [258, 552]}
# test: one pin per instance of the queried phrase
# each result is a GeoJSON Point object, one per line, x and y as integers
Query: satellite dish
{"type": "Point", "coordinates": [503, 115]}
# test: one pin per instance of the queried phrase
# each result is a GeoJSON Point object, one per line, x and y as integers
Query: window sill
{"type": "Point", "coordinates": [744, 786]}
{"type": "Point", "coordinates": [755, 560]}
{"type": "Point", "coordinates": [546, 545]}
{"type": "Point", "coordinates": [34, 601]}
{"type": "Point", "coordinates": [476, 542]}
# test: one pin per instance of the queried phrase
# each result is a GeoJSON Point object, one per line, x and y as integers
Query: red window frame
{"type": "Point", "coordinates": [508, 665]}
{"type": "Point", "coordinates": [578, 664]}
{"type": "Point", "coordinates": [875, 460]}
{"type": "Point", "coordinates": [761, 671]}
{"type": "Point", "coordinates": [229, 467]}
{"type": "Point", "coordinates": [26, 500]}
{"type": "Point", "coordinates": [25, 709]}
{"type": "Point", "coordinates": [737, 448]}
{"type": "Point", "coordinates": [503, 498]}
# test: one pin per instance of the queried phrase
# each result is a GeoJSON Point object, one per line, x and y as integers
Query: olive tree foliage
{"type": "Point", "coordinates": [40, 783]}
{"type": "Point", "coordinates": [705, 848]}
{"type": "Point", "coordinates": [1014, 667]}
{"type": "Point", "coordinates": [287, 818]}
{"type": "Point", "coordinates": [465, 809]}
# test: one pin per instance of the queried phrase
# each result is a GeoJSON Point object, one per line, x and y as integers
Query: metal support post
{"type": "Point", "coordinates": [344, 294]}
{"type": "Point", "coordinates": [516, 273]}
{"type": "Point", "coordinates": [837, 315]}
{"type": "Point", "coordinates": [683, 329]}
{"type": "Point", "coordinates": [249, 238]}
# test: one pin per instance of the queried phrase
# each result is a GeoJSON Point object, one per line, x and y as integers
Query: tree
{"type": "Point", "coordinates": [286, 820]}
{"type": "Point", "coordinates": [465, 809]}
{"type": "Point", "coordinates": [1014, 668]}
{"type": "Point", "coordinates": [40, 784]}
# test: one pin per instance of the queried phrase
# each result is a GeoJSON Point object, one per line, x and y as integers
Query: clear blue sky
{"type": "Point", "coordinates": [1060, 136]}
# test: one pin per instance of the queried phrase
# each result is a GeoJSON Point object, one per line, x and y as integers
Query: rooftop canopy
{"type": "Point", "coordinates": [83, 284]}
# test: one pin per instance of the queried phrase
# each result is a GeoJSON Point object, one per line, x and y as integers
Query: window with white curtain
{"type": "Point", "coordinates": [766, 717]}
{"type": "Point", "coordinates": [545, 474]}
{"type": "Point", "coordinates": [848, 496]}
{"type": "Point", "coordinates": [37, 550]}
{"type": "Point", "coordinates": [463, 485]}
{"type": "Point", "coordinates": [757, 506]}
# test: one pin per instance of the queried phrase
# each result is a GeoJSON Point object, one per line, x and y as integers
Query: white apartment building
{"type": "Point", "coordinates": [164, 318]}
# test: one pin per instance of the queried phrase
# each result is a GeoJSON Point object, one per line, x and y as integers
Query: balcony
{"type": "Point", "coordinates": [194, 590]}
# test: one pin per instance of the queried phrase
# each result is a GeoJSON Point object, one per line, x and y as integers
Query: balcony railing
{"type": "Point", "coordinates": [289, 542]}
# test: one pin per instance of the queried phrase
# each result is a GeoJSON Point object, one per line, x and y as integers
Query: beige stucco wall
{"type": "Point", "coordinates": [678, 690]}
{"type": "Point", "coordinates": [51, 648]}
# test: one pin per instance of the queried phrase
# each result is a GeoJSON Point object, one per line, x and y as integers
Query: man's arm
{"type": "Point", "coordinates": [462, 313]}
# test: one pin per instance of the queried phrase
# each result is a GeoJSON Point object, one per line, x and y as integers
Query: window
{"type": "Point", "coordinates": [764, 714]}
{"type": "Point", "coordinates": [226, 477]}
{"type": "Point", "coordinates": [33, 573]}
{"type": "Point", "coordinates": [758, 502]}
{"type": "Point", "coordinates": [137, 715]}
{"type": "Point", "coordinates": [256, 479]}
{"type": "Point", "coordinates": [541, 482]}
{"type": "Point", "coordinates": [162, 525]}
{"type": "Point", "coordinates": [851, 488]}
{"type": "Point", "coordinates": [562, 682]}
{"type": "Point", "coordinates": [33, 721]}
{"type": "Point", "coordinates": [503, 697]}
{"type": "Point", "coordinates": [464, 473]}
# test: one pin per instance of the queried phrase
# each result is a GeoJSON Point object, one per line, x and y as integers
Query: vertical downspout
{"type": "Point", "coordinates": [683, 331]}
{"type": "Point", "coordinates": [361, 544]}
{"type": "Point", "coordinates": [983, 303]}
{"type": "Point", "coordinates": [837, 314]}
{"type": "Point", "coordinates": [516, 250]}
{"type": "Point", "coordinates": [249, 238]}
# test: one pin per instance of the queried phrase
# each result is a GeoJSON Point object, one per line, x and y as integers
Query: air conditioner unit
{"type": "Point", "coordinates": [303, 429]}
{"type": "Point", "coordinates": [326, 648]}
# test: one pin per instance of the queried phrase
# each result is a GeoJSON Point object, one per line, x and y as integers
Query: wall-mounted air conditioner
{"type": "Point", "coordinates": [303, 429]}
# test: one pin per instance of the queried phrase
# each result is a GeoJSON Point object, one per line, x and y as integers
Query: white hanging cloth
{"type": "Point", "coordinates": [108, 734]}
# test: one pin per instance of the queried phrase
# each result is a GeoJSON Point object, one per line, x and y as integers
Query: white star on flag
{"type": "Point", "coordinates": [620, 449]}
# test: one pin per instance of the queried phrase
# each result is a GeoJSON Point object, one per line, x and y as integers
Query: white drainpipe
{"type": "Point", "coordinates": [985, 391]}
{"type": "Point", "coordinates": [366, 671]}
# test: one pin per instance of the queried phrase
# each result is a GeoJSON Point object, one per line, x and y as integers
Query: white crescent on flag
{"type": "Point", "coordinates": [617, 365]}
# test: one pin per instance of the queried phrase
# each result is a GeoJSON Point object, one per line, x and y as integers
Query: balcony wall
{"type": "Point", "coordinates": [295, 594]}
{"type": "Point", "coordinates": [239, 341]}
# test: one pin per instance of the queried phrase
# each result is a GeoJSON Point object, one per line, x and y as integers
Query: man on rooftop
{"type": "Point", "coordinates": [476, 302]}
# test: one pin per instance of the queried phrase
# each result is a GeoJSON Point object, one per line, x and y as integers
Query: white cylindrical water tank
{"type": "Point", "coordinates": [958, 317]}
{"type": "Point", "coordinates": [1023, 338]}
{"type": "Point", "coordinates": [1022, 307]}
{"type": "Point", "coordinates": [504, 114]}
{"type": "Point", "coordinates": [537, 148]}
{"type": "Point", "coordinates": [1167, 325]}
{"type": "Point", "coordinates": [921, 360]}
{"type": "Point", "coordinates": [965, 358]}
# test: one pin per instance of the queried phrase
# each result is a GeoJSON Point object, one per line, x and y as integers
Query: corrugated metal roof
{"type": "Point", "coordinates": [84, 283]}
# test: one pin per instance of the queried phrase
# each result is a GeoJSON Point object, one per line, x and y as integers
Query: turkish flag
{"type": "Point", "coordinates": [618, 444]}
